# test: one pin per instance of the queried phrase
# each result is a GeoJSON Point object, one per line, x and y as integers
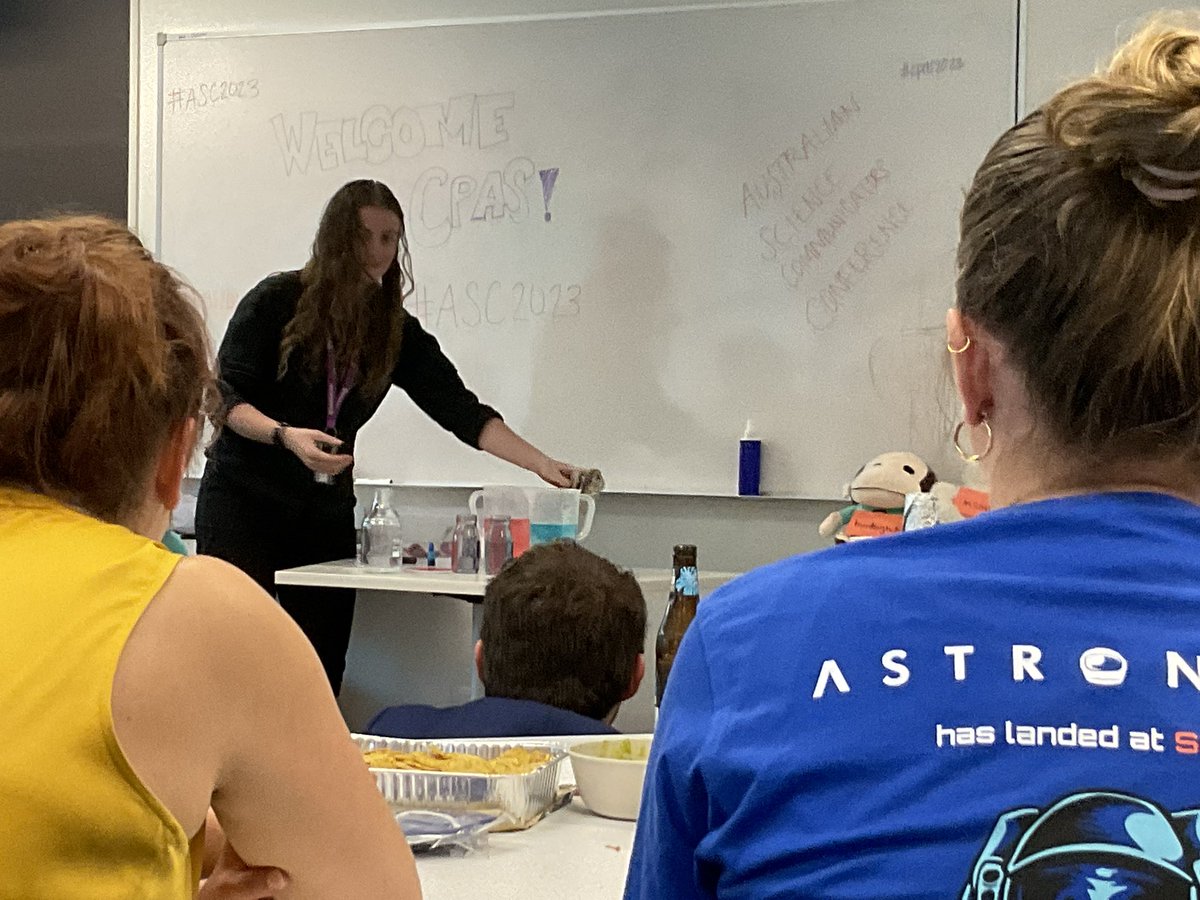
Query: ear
{"type": "Point", "coordinates": [479, 660]}
{"type": "Point", "coordinates": [972, 367]}
{"type": "Point", "coordinates": [172, 463]}
{"type": "Point", "coordinates": [636, 676]}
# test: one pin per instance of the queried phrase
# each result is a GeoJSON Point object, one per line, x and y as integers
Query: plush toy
{"type": "Point", "coordinates": [877, 497]}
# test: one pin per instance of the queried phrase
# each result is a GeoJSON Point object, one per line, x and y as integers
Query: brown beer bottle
{"type": "Point", "coordinates": [681, 609]}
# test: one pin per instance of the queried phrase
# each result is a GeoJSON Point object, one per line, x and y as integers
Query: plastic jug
{"type": "Point", "coordinates": [498, 500]}
{"type": "Point", "coordinates": [554, 514]}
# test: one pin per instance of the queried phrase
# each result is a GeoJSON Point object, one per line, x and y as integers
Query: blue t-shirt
{"type": "Point", "coordinates": [484, 718]}
{"type": "Point", "coordinates": [1006, 707]}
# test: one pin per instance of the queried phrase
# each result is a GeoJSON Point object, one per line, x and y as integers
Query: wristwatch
{"type": "Point", "coordinates": [277, 435]}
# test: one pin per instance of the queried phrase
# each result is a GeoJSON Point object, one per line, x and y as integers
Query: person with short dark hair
{"type": "Point", "coordinates": [560, 647]}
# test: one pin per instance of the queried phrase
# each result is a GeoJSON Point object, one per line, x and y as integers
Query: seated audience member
{"type": "Point", "coordinates": [1004, 706]}
{"type": "Point", "coordinates": [138, 688]}
{"type": "Point", "coordinates": [560, 647]}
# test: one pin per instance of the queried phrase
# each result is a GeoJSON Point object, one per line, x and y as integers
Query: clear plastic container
{"type": "Point", "coordinates": [381, 538]}
{"type": "Point", "coordinates": [554, 514]}
{"type": "Point", "coordinates": [505, 500]}
{"type": "Point", "coordinates": [497, 543]}
{"type": "Point", "coordinates": [464, 558]}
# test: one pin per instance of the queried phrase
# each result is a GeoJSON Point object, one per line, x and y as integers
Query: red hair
{"type": "Point", "coordinates": [102, 353]}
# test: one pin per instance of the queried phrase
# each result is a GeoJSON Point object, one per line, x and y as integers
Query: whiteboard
{"type": "Point", "coordinates": [1068, 39]}
{"type": "Point", "coordinates": [631, 231]}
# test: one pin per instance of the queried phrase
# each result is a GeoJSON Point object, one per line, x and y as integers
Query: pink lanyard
{"type": "Point", "coordinates": [335, 393]}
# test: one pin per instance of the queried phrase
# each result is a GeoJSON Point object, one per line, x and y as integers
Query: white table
{"type": "Point", "coordinates": [572, 853]}
{"type": "Point", "coordinates": [349, 573]}
{"type": "Point", "coordinates": [413, 642]}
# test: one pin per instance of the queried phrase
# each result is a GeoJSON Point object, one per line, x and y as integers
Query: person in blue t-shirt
{"type": "Point", "coordinates": [1007, 706]}
{"type": "Point", "coordinates": [560, 647]}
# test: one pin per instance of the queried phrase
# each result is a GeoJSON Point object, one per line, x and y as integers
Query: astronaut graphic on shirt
{"type": "Point", "coordinates": [1092, 845]}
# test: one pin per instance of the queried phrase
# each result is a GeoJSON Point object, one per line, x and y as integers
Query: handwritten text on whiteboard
{"type": "Point", "coordinates": [482, 303]}
{"type": "Point", "coordinates": [380, 133]}
{"type": "Point", "coordinates": [198, 96]}
{"type": "Point", "coordinates": [761, 191]}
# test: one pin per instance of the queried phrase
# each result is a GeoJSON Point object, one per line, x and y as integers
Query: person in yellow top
{"type": "Point", "coordinates": [140, 689]}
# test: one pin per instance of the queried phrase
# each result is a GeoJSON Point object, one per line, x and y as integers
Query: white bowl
{"type": "Point", "coordinates": [611, 786]}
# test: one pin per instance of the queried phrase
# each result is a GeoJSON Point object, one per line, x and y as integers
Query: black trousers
{"type": "Point", "coordinates": [244, 528]}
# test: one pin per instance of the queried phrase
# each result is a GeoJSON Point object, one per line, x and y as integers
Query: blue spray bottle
{"type": "Point", "coordinates": [749, 463]}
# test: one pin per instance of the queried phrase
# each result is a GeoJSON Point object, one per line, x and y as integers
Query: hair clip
{"type": "Point", "coordinates": [1181, 184]}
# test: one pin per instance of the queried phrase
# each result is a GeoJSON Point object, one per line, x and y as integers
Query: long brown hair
{"type": "Point", "coordinates": [339, 306]}
{"type": "Point", "coordinates": [1090, 280]}
{"type": "Point", "coordinates": [102, 352]}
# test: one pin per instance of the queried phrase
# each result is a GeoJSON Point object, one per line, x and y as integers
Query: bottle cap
{"type": "Point", "coordinates": [748, 434]}
{"type": "Point", "coordinates": [685, 554]}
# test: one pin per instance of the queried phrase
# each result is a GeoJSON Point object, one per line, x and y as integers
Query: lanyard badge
{"type": "Point", "coordinates": [336, 391]}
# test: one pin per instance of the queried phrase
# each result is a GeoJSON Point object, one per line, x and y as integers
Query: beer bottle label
{"type": "Point", "coordinates": [687, 583]}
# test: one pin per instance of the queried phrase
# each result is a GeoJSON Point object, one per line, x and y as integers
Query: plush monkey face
{"type": "Point", "coordinates": [883, 482]}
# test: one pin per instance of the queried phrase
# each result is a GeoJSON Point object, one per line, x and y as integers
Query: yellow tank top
{"type": "Point", "coordinates": [75, 821]}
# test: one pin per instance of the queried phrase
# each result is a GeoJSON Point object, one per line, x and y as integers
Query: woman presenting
{"type": "Point", "coordinates": [306, 361]}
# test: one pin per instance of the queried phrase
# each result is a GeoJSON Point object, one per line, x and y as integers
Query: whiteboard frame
{"type": "Point", "coordinates": [167, 36]}
{"type": "Point", "coordinates": [1020, 89]}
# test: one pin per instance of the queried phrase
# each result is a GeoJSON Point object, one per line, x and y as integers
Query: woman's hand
{"type": "Point", "coordinates": [559, 474]}
{"type": "Point", "coordinates": [504, 443]}
{"type": "Point", "coordinates": [312, 448]}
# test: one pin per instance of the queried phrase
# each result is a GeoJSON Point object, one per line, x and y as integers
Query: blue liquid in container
{"type": "Point", "coordinates": [544, 533]}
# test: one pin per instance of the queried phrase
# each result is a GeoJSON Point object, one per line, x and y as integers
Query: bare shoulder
{"type": "Point", "coordinates": [200, 664]}
{"type": "Point", "coordinates": [227, 627]}
{"type": "Point", "coordinates": [208, 580]}
{"type": "Point", "coordinates": [218, 596]}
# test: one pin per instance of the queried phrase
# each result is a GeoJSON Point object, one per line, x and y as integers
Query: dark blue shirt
{"type": "Point", "coordinates": [483, 718]}
{"type": "Point", "coordinates": [1003, 707]}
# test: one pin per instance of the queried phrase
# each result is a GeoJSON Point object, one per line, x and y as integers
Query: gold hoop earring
{"type": "Point", "coordinates": [962, 349]}
{"type": "Point", "coordinates": [973, 457]}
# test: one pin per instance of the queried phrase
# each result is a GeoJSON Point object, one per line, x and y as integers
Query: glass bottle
{"type": "Point", "coordinates": [456, 540]}
{"type": "Point", "coordinates": [464, 557]}
{"type": "Point", "coordinates": [381, 538]}
{"type": "Point", "coordinates": [681, 609]}
{"type": "Point", "coordinates": [497, 543]}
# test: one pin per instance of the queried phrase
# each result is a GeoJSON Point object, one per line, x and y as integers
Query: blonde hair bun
{"type": "Point", "coordinates": [1141, 114]}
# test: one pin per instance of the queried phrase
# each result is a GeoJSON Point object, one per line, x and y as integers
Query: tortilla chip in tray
{"type": "Point", "coordinates": [518, 798]}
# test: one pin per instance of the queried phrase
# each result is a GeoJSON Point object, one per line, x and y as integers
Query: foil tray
{"type": "Point", "coordinates": [521, 800]}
